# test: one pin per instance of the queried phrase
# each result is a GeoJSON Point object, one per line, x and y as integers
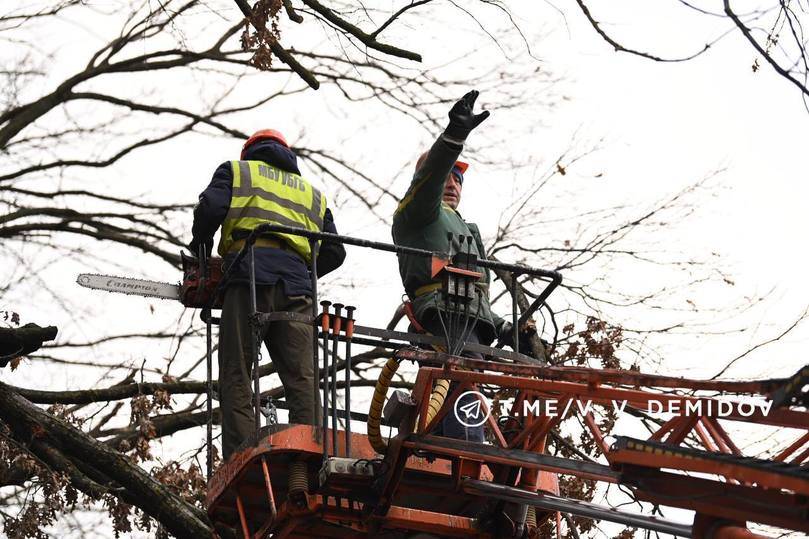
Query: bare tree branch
{"type": "Point", "coordinates": [155, 499]}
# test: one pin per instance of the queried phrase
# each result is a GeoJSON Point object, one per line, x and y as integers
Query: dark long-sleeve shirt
{"type": "Point", "coordinates": [272, 265]}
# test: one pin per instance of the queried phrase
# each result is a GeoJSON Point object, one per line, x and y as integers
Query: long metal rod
{"type": "Point", "coordinates": [515, 322]}
{"type": "Point", "coordinates": [205, 314]}
{"type": "Point", "coordinates": [349, 334]}
{"type": "Point", "coordinates": [242, 517]}
{"type": "Point", "coordinates": [389, 247]}
{"type": "Point", "coordinates": [325, 327]}
{"type": "Point", "coordinates": [268, 484]}
{"type": "Point", "coordinates": [338, 308]}
{"type": "Point", "coordinates": [554, 276]}
{"type": "Point", "coordinates": [208, 398]}
{"type": "Point", "coordinates": [313, 248]}
{"type": "Point", "coordinates": [448, 447]}
{"type": "Point", "coordinates": [577, 507]}
{"type": "Point", "coordinates": [255, 326]}
{"type": "Point", "coordinates": [430, 339]}
{"type": "Point", "coordinates": [450, 308]}
{"type": "Point", "coordinates": [466, 329]}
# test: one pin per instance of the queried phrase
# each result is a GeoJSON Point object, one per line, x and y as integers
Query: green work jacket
{"type": "Point", "coordinates": [422, 220]}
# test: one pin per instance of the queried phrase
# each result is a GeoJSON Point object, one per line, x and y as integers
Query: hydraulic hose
{"type": "Point", "coordinates": [378, 402]}
{"type": "Point", "coordinates": [437, 399]}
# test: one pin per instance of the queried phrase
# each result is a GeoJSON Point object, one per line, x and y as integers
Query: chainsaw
{"type": "Point", "coordinates": [198, 289]}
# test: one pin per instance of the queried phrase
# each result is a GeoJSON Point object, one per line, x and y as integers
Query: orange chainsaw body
{"type": "Point", "coordinates": [199, 289]}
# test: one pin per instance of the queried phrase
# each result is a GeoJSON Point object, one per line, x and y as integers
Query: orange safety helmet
{"type": "Point", "coordinates": [460, 165]}
{"type": "Point", "coordinates": [264, 134]}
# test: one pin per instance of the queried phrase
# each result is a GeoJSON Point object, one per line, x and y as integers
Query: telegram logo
{"type": "Point", "coordinates": [472, 409]}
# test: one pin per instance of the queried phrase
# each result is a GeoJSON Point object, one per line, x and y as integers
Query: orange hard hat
{"type": "Point", "coordinates": [264, 134]}
{"type": "Point", "coordinates": [460, 165]}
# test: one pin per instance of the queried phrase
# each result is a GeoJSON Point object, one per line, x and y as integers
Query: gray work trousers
{"type": "Point", "coordinates": [450, 426]}
{"type": "Point", "coordinates": [290, 348]}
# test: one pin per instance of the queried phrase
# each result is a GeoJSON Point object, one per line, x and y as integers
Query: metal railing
{"type": "Point", "coordinates": [552, 278]}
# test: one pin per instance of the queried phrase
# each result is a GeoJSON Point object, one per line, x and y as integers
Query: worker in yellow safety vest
{"type": "Point", "coordinates": [265, 186]}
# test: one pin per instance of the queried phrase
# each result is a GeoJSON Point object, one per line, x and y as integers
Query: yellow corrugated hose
{"type": "Point", "coordinates": [437, 398]}
{"type": "Point", "coordinates": [375, 412]}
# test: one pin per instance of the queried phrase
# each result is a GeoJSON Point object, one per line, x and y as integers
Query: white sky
{"type": "Point", "coordinates": [663, 126]}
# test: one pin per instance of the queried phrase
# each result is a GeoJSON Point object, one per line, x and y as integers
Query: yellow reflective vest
{"type": "Point", "coordinates": [266, 194]}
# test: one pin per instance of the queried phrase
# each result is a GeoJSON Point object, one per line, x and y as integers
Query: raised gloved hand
{"type": "Point", "coordinates": [462, 119]}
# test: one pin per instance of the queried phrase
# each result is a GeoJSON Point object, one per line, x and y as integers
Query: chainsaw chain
{"type": "Point", "coordinates": [84, 281]}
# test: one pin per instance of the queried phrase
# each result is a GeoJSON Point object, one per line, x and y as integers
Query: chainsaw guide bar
{"type": "Point", "coordinates": [129, 286]}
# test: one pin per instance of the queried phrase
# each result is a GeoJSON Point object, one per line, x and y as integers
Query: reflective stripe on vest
{"type": "Point", "coordinates": [266, 194]}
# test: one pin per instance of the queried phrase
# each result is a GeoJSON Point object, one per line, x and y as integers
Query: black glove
{"type": "Point", "coordinates": [461, 118]}
{"type": "Point", "coordinates": [506, 336]}
{"type": "Point", "coordinates": [193, 246]}
{"type": "Point", "coordinates": [23, 340]}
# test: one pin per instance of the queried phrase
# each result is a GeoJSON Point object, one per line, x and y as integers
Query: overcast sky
{"type": "Point", "coordinates": [660, 127]}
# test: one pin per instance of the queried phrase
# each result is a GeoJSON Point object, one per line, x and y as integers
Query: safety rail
{"type": "Point", "coordinates": [511, 477]}
{"type": "Point", "coordinates": [553, 279]}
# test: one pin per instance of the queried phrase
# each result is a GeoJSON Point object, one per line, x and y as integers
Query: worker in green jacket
{"type": "Point", "coordinates": [424, 218]}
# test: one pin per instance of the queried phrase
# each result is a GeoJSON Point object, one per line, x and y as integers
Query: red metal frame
{"type": "Point", "coordinates": [729, 487]}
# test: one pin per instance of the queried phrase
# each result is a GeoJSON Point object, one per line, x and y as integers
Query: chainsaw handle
{"type": "Point", "coordinates": [203, 271]}
{"type": "Point", "coordinates": [205, 316]}
{"type": "Point", "coordinates": [202, 256]}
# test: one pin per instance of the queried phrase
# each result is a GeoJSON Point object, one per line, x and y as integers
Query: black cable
{"type": "Point", "coordinates": [555, 327]}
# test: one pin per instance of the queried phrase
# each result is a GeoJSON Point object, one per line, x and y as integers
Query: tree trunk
{"type": "Point", "coordinates": [179, 518]}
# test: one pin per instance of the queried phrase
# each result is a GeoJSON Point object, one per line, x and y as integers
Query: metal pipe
{"type": "Point", "coordinates": [466, 331]}
{"type": "Point", "coordinates": [268, 483]}
{"type": "Point", "coordinates": [336, 327]}
{"type": "Point", "coordinates": [338, 307]}
{"type": "Point", "coordinates": [399, 249]}
{"type": "Point", "coordinates": [577, 507]}
{"type": "Point", "coordinates": [202, 260]}
{"type": "Point", "coordinates": [242, 517]}
{"type": "Point", "coordinates": [205, 314]}
{"type": "Point", "coordinates": [256, 340]}
{"type": "Point", "coordinates": [556, 281]}
{"type": "Point", "coordinates": [313, 248]}
{"type": "Point", "coordinates": [515, 322]}
{"type": "Point", "coordinates": [450, 304]}
{"type": "Point", "coordinates": [324, 326]}
{"type": "Point", "coordinates": [208, 397]}
{"type": "Point", "coordinates": [554, 276]}
{"type": "Point", "coordinates": [349, 335]}
{"type": "Point", "coordinates": [252, 274]}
